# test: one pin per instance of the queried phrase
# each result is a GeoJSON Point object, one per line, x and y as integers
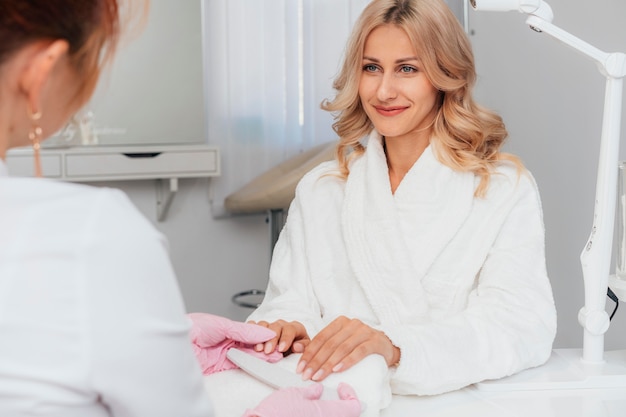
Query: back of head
{"type": "Point", "coordinates": [91, 28]}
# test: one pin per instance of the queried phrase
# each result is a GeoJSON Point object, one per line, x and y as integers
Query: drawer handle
{"type": "Point", "coordinates": [142, 154]}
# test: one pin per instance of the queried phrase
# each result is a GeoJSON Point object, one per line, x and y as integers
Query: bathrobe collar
{"type": "Point", "coordinates": [392, 240]}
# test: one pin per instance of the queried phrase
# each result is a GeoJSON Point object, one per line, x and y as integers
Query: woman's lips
{"type": "Point", "coordinates": [389, 111]}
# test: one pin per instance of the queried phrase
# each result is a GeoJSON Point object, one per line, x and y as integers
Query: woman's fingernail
{"type": "Point", "coordinates": [300, 367]}
{"type": "Point", "coordinates": [338, 367]}
{"type": "Point", "coordinates": [268, 348]}
{"type": "Point", "coordinates": [307, 374]}
{"type": "Point", "coordinates": [282, 347]}
{"type": "Point", "coordinates": [259, 347]}
{"type": "Point", "coordinates": [318, 375]}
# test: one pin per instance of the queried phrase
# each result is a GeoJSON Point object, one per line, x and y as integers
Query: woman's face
{"type": "Point", "coordinates": [394, 91]}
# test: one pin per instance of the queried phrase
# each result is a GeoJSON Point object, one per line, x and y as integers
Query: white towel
{"type": "Point", "coordinates": [234, 391]}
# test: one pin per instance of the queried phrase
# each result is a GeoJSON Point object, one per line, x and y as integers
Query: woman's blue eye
{"type": "Point", "coordinates": [407, 69]}
{"type": "Point", "coordinates": [369, 67]}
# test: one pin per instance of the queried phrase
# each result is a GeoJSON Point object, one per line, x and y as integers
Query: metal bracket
{"type": "Point", "coordinates": [165, 196]}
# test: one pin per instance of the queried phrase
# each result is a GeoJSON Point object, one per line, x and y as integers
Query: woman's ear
{"type": "Point", "coordinates": [42, 61]}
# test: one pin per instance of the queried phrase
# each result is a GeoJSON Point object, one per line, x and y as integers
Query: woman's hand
{"type": "Point", "coordinates": [289, 336]}
{"type": "Point", "coordinates": [340, 345]}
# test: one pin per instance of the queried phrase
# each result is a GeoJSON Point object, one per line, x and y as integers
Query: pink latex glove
{"type": "Point", "coordinates": [305, 402]}
{"type": "Point", "coordinates": [212, 336]}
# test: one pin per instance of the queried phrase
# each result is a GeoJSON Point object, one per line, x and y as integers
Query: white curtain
{"type": "Point", "coordinates": [268, 66]}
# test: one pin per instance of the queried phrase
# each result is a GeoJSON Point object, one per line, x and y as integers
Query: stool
{"type": "Point", "coordinates": [272, 193]}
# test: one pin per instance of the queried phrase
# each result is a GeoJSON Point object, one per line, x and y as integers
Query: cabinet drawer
{"type": "Point", "coordinates": [24, 165]}
{"type": "Point", "coordinates": [167, 164]}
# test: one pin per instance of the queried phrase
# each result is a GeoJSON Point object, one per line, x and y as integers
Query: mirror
{"type": "Point", "coordinates": [154, 91]}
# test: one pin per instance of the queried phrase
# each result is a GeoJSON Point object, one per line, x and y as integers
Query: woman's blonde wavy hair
{"type": "Point", "coordinates": [466, 136]}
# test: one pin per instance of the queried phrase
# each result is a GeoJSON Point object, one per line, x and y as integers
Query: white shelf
{"type": "Point", "coordinates": [164, 163]}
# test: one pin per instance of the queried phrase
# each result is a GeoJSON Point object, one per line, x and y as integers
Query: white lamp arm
{"type": "Point", "coordinates": [596, 255]}
{"type": "Point", "coordinates": [610, 64]}
{"type": "Point", "coordinates": [535, 7]}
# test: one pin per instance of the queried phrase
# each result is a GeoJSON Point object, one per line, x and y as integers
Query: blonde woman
{"type": "Point", "coordinates": [423, 243]}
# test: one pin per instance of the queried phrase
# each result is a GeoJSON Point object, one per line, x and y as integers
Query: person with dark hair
{"type": "Point", "coordinates": [91, 317]}
{"type": "Point", "coordinates": [423, 242]}
{"type": "Point", "coordinates": [92, 321]}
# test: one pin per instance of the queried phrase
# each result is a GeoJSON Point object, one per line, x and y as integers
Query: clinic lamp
{"type": "Point", "coordinates": [596, 255]}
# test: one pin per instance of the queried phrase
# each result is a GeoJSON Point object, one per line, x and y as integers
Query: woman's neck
{"type": "Point", "coordinates": [7, 111]}
{"type": "Point", "coordinates": [4, 138]}
{"type": "Point", "coordinates": [3, 143]}
{"type": "Point", "coordinates": [401, 156]}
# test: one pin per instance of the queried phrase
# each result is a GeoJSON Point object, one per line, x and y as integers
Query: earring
{"type": "Point", "coordinates": [35, 136]}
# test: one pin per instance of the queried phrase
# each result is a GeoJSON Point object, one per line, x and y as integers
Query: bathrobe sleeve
{"type": "Point", "coordinates": [508, 323]}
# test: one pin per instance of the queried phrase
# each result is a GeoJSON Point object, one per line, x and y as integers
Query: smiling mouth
{"type": "Point", "coordinates": [389, 111]}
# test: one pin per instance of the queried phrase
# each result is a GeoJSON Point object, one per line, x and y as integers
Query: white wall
{"type": "Point", "coordinates": [213, 258]}
{"type": "Point", "coordinates": [552, 100]}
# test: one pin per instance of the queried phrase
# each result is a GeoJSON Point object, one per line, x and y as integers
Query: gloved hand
{"type": "Point", "coordinates": [212, 336]}
{"type": "Point", "coordinates": [305, 402]}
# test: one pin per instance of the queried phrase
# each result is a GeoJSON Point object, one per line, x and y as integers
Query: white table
{"type": "Point", "coordinates": [509, 400]}
{"type": "Point", "coordinates": [234, 391]}
{"type": "Point", "coordinates": [470, 402]}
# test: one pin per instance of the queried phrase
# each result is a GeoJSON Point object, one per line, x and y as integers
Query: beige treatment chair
{"type": "Point", "coordinates": [272, 193]}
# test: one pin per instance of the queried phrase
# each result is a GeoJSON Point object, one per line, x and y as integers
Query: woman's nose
{"type": "Point", "coordinates": [387, 88]}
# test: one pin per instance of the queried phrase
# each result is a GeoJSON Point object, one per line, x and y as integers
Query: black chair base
{"type": "Point", "coordinates": [249, 298]}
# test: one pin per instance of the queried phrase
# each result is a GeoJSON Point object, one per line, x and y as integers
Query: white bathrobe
{"type": "Point", "coordinates": [457, 282]}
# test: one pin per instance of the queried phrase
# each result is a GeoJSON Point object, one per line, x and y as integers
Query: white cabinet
{"type": "Point", "coordinates": [163, 163]}
{"type": "Point", "coordinates": [103, 163]}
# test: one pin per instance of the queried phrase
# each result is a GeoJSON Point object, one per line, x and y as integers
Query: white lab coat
{"type": "Point", "coordinates": [457, 282]}
{"type": "Point", "coordinates": [92, 322]}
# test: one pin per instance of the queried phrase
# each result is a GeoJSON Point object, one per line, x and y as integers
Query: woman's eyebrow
{"type": "Point", "coordinates": [398, 61]}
